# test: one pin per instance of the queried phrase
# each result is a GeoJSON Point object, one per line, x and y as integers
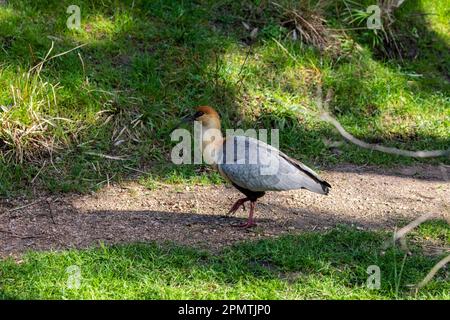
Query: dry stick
{"type": "Point", "coordinates": [285, 50]}
{"type": "Point", "coordinates": [136, 170]}
{"type": "Point", "coordinates": [106, 156]}
{"type": "Point", "coordinates": [347, 136]}
{"type": "Point", "coordinates": [325, 116]}
{"type": "Point", "coordinates": [415, 154]}
{"type": "Point", "coordinates": [40, 64]}
{"type": "Point", "coordinates": [82, 64]}
{"type": "Point", "coordinates": [39, 172]}
{"type": "Point", "coordinates": [403, 231]}
{"type": "Point", "coordinates": [406, 229]}
{"type": "Point", "coordinates": [241, 78]}
{"type": "Point", "coordinates": [433, 271]}
{"type": "Point", "coordinates": [25, 206]}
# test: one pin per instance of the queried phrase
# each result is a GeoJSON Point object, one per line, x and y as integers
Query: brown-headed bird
{"type": "Point", "coordinates": [252, 166]}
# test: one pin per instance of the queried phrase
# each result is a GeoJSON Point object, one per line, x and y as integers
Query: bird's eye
{"type": "Point", "coordinates": [198, 114]}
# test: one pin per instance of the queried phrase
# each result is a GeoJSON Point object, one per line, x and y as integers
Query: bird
{"type": "Point", "coordinates": [252, 166]}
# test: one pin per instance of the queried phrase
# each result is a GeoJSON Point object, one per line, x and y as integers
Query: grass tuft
{"type": "Point", "coordinates": [31, 127]}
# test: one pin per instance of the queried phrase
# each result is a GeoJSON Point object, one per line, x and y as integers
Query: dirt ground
{"type": "Point", "coordinates": [364, 197]}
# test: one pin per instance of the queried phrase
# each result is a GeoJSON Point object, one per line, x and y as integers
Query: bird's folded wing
{"type": "Point", "coordinates": [257, 166]}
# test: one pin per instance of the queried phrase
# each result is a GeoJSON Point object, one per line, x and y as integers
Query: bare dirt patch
{"type": "Point", "coordinates": [365, 197]}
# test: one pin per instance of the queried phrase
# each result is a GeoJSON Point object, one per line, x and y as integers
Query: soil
{"type": "Point", "coordinates": [368, 198]}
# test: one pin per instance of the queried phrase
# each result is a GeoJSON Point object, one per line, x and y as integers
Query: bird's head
{"type": "Point", "coordinates": [206, 115]}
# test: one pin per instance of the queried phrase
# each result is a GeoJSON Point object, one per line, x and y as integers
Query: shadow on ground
{"type": "Point", "coordinates": [308, 265]}
{"type": "Point", "coordinates": [195, 215]}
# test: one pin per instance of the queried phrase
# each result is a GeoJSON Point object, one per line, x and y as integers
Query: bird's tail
{"type": "Point", "coordinates": [317, 186]}
{"type": "Point", "coordinates": [325, 187]}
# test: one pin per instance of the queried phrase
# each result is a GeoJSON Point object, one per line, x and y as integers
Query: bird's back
{"type": "Point", "coordinates": [257, 166]}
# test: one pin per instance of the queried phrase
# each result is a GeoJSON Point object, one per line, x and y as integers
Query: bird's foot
{"type": "Point", "coordinates": [247, 225]}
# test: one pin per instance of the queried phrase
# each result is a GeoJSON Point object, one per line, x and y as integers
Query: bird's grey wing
{"type": "Point", "coordinates": [308, 171]}
{"type": "Point", "coordinates": [301, 166]}
{"type": "Point", "coordinates": [256, 166]}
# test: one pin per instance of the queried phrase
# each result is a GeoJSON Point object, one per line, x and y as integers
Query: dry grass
{"type": "Point", "coordinates": [306, 23]}
{"type": "Point", "coordinates": [31, 128]}
{"type": "Point", "coordinates": [27, 129]}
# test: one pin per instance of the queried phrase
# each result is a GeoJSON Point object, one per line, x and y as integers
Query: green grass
{"type": "Point", "coordinates": [147, 64]}
{"type": "Point", "coordinates": [329, 265]}
{"type": "Point", "coordinates": [438, 230]}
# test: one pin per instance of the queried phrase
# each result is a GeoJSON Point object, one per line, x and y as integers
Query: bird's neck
{"type": "Point", "coordinates": [212, 142]}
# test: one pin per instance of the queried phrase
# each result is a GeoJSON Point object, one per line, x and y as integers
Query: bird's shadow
{"type": "Point", "coordinates": [70, 227]}
{"type": "Point", "coordinates": [286, 258]}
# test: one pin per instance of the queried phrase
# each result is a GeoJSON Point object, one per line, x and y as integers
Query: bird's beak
{"type": "Point", "coordinates": [185, 119]}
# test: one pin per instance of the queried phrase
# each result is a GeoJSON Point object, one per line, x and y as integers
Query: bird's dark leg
{"type": "Point", "coordinates": [237, 205]}
{"type": "Point", "coordinates": [250, 222]}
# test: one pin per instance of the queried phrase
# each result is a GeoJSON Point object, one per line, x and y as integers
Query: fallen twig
{"type": "Point", "coordinates": [410, 226]}
{"type": "Point", "coordinates": [106, 156]}
{"type": "Point", "coordinates": [136, 170]}
{"type": "Point", "coordinates": [39, 172]}
{"type": "Point", "coordinates": [433, 271]}
{"type": "Point", "coordinates": [326, 116]}
{"type": "Point", "coordinates": [25, 206]}
{"type": "Point", "coordinates": [46, 59]}
{"type": "Point", "coordinates": [407, 153]}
